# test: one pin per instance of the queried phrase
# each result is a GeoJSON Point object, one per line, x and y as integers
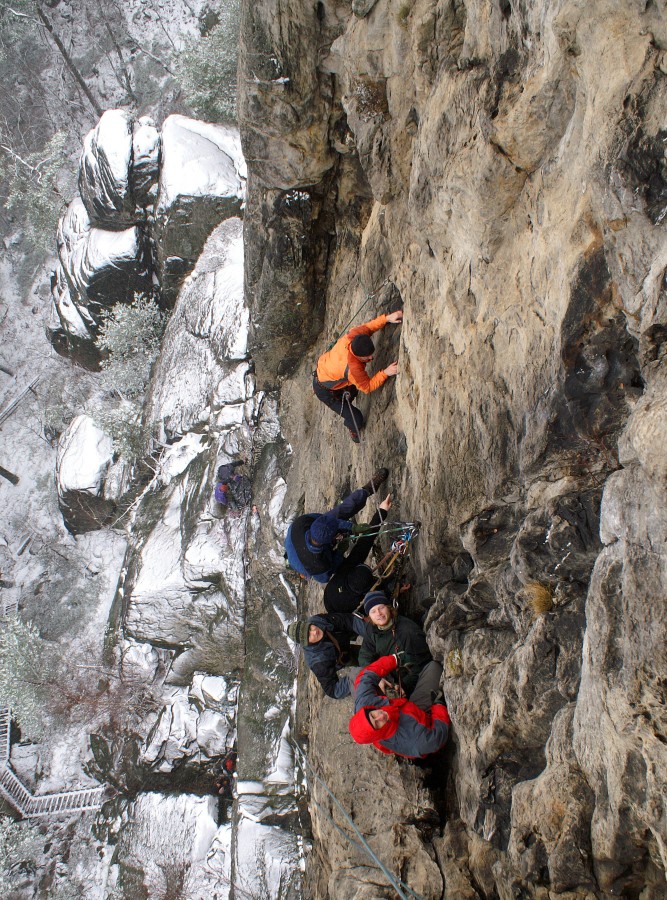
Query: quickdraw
{"type": "Point", "coordinates": [392, 562]}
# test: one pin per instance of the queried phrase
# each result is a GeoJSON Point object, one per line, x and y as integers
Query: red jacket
{"type": "Point", "coordinates": [410, 731]}
{"type": "Point", "coordinates": [339, 367]}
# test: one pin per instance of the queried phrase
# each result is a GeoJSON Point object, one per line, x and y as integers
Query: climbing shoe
{"type": "Point", "coordinates": [377, 478]}
{"type": "Point", "coordinates": [354, 436]}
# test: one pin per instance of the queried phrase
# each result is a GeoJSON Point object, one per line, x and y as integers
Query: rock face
{"type": "Point", "coordinates": [206, 338]}
{"type": "Point", "coordinates": [202, 182]}
{"type": "Point", "coordinates": [202, 592]}
{"type": "Point", "coordinates": [480, 167]}
{"type": "Point", "coordinates": [97, 267]}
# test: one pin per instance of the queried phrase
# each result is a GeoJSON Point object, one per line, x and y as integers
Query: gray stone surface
{"type": "Point", "coordinates": [97, 268]}
{"type": "Point", "coordinates": [511, 188]}
{"type": "Point", "coordinates": [105, 171]}
{"type": "Point", "coordinates": [202, 182]}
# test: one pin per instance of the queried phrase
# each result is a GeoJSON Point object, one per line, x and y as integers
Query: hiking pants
{"type": "Point", "coordinates": [428, 685]}
{"type": "Point", "coordinates": [335, 400]}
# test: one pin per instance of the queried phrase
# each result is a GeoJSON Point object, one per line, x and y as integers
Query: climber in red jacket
{"type": "Point", "coordinates": [399, 725]}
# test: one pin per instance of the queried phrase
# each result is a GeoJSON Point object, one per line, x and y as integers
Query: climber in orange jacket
{"type": "Point", "coordinates": [341, 371]}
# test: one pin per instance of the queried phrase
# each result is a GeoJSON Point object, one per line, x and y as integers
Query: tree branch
{"type": "Point", "coordinates": [78, 77]}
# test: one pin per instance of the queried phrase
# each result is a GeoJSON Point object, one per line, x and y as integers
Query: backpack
{"type": "Point", "coordinates": [220, 493]}
{"type": "Point", "coordinates": [240, 490]}
{"type": "Point", "coordinates": [225, 472]}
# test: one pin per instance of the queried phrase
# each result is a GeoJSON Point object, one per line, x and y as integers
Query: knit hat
{"type": "Point", "coordinates": [361, 730]}
{"type": "Point", "coordinates": [298, 632]}
{"type": "Point", "coordinates": [324, 529]}
{"type": "Point", "coordinates": [360, 579]}
{"type": "Point", "coordinates": [362, 345]}
{"type": "Point", "coordinates": [375, 598]}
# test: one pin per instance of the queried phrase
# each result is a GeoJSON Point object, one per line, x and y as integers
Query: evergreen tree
{"type": "Point", "coordinates": [130, 336]}
{"type": "Point", "coordinates": [207, 68]}
{"type": "Point", "coordinates": [33, 191]}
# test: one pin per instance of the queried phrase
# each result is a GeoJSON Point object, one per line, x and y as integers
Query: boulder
{"type": "Point", "coordinates": [105, 172]}
{"type": "Point", "coordinates": [202, 182]}
{"type": "Point", "coordinates": [85, 453]}
{"type": "Point", "coordinates": [97, 268]}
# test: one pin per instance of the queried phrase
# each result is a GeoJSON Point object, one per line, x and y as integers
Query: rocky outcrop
{"type": "Point", "coordinates": [148, 202]}
{"type": "Point", "coordinates": [509, 188]}
{"type": "Point", "coordinates": [201, 592]}
{"type": "Point", "coordinates": [119, 168]}
{"type": "Point", "coordinates": [202, 182]}
{"type": "Point", "coordinates": [203, 375]}
{"type": "Point", "coordinates": [85, 455]}
{"type": "Point", "coordinates": [97, 268]}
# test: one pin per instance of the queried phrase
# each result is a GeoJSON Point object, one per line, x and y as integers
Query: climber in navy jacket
{"type": "Point", "coordinates": [325, 639]}
{"type": "Point", "coordinates": [310, 541]}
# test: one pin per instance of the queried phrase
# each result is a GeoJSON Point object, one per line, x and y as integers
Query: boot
{"type": "Point", "coordinates": [377, 478]}
{"type": "Point", "coordinates": [354, 436]}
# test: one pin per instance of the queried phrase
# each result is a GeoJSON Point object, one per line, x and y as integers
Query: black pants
{"type": "Point", "coordinates": [335, 400]}
{"type": "Point", "coordinates": [338, 596]}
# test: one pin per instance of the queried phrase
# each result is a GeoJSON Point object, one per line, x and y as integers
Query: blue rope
{"type": "Point", "coordinates": [398, 885]}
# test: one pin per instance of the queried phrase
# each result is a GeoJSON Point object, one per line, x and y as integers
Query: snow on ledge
{"type": "Point", "coordinates": [84, 455]}
{"type": "Point", "coordinates": [199, 160]}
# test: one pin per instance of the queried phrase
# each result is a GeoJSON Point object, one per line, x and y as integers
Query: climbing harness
{"type": "Point", "coordinates": [392, 563]}
{"type": "Point", "coordinates": [403, 890]}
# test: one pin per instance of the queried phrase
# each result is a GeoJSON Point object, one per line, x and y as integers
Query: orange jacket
{"type": "Point", "coordinates": [339, 367]}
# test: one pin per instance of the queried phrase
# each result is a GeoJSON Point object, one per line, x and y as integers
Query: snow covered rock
{"type": "Point", "coordinates": [185, 584]}
{"type": "Point", "coordinates": [202, 182]}
{"type": "Point", "coordinates": [165, 840]}
{"type": "Point", "coordinates": [145, 163]}
{"type": "Point", "coordinates": [118, 172]}
{"type": "Point", "coordinates": [104, 171]}
{"type": "Point", "coordinates": [181, 731]}
{"type": "Point", "coordinates": [97, 268]}
{"type": "Point", "coordinates": [202, 365]}
{"type": "Point", "coordinates": [84, 455]}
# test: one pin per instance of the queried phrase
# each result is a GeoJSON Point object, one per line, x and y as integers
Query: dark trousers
{"type": "Point", "coordinates": [335, 400]}
{"type": "Point", "coordinates": [338, 596]}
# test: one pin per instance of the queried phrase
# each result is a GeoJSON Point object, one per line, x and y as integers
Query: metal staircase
{"type": "Point", "coordinates": [31, 805]}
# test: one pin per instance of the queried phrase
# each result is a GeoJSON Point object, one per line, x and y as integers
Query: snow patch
{"type": "Point", "coordinates": [84, 455]}
{"type": "Point", "coordinates": [199, 160]}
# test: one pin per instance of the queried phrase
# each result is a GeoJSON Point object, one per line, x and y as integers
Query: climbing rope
{"type": "Point", "coordinates": [403, 890]}
{"type": "Point", "coordinates": [362, 443]}
{"type": "Point", "coordinates": [368, 299]}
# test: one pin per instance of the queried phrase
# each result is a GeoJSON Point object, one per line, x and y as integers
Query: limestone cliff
{"type": "Point", "coordinates": [498, 170]}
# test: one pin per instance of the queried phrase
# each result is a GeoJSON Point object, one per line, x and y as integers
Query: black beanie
{"type": "Point", "coordinates": [362, 345]}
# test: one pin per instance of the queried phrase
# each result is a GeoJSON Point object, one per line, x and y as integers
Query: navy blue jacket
{"type": "Point", "coordinates": [323, 658]}
{"type": "Point", "coordinates": [320, 563]}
